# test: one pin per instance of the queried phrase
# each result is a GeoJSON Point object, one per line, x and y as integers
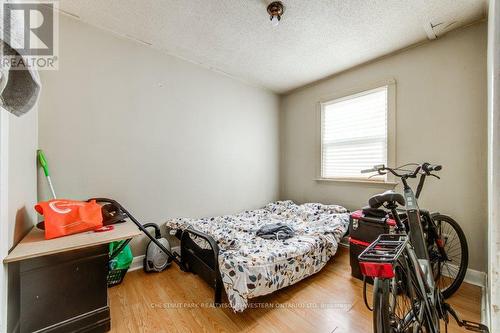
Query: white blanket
{"type": "Point", "coordinates": [251, 266]}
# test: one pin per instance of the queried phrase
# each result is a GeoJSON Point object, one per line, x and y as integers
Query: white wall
{"type": "Point", "coordinates": [161, 135]}
{"type": "Point", "coordinates": [493, 295]}
{"type": "Point", "coordinates": [17, 197]}
{"type": "Point", "coordinates": [441, 118]}
{"type": "Point", "coordinates": [23, 143]}
{"type": "Point", "coordinates": [4, 215]}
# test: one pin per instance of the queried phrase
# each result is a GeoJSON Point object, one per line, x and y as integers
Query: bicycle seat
{"type": "Point", "coordinates": [388, 196]}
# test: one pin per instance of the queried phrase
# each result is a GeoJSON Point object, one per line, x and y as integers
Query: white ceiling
{"type": "Point", "coordinates": [316, 38]}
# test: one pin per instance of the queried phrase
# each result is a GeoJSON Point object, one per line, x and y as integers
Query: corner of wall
{"type": "Point", "coordinates": [282, 143]}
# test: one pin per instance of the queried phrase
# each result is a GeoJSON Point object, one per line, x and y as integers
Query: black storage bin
{"type": "Point", "coordinates": [364, 227]}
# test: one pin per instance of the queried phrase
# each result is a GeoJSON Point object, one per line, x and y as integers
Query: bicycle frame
{"type": "Point", "coordinates": [419, 258]}
{"type": "Point", "coordinates": [426, 216]}
{"type": "Point", "coordinates": [417, 255]}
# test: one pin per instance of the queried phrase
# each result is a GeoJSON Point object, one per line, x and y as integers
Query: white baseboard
{"type": "Point", "coordinates": [476, 278]}
{"type": "Point", "coordinates": [485, 307]}
{"type": "Point", "coordinates": [137, 262]}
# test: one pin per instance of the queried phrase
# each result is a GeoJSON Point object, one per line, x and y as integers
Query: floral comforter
{"type": "Point", "coordinates": [251, 266]}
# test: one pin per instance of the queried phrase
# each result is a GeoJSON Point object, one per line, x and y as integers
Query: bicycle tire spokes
{"type": "Point", "coordinates": [448, 252]}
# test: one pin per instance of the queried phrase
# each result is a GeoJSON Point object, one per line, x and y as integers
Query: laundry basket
{"type": "Point", "coordinates": [120, 258]}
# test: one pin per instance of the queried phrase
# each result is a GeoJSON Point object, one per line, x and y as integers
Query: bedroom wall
{"type": "Point", "coordinates": [441, 117]}
{"type": "Point", "coordinates": [18, 145]}
{"type": "Point", "coordinates": [164, 137]}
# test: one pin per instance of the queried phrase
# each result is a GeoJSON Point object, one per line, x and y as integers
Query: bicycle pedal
{"type": "Point", "coordinates": [476, 327]}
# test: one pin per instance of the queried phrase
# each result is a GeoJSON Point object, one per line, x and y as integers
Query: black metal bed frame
{"type": "Point", "coordinates": [202, 262]}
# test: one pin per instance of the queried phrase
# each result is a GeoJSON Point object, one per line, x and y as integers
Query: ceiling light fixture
{"type": "Point", "coordinates": [275, 10]}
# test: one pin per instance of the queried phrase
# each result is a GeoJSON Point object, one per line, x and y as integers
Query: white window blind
{"type": "Point", "coordinates": [354, 134]}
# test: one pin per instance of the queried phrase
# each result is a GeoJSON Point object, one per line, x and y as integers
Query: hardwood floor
{"type": "Point", "coordinates": [174, 301]}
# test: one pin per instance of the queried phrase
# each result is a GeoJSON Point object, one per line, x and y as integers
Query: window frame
{"type": "Point", "coordinates": [391, 130]}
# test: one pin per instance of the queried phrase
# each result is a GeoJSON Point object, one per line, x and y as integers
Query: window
{"type": "Point", "coordinates": [355, 134]}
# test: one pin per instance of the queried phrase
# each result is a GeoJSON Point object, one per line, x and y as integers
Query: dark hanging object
{"type": "Point", "coordinates": [19, 89]}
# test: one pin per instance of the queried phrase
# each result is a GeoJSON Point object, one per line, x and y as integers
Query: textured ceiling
{"type": "Point", "coordinates": [315, 39]}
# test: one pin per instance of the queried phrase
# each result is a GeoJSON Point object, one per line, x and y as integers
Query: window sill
{"type": "Point", "coordinates": [374, 183]}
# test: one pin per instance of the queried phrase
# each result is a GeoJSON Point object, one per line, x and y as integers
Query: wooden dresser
{"type": "Point", "coordinates": [62, 282]}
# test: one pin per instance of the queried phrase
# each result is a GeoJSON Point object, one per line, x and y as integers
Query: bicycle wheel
{"type": "Point", "coordinates": [381, 319]}
{"type": "Point", "coordinates": [449, 273]}
{"type": "Point", "coordinates": [393, 303]}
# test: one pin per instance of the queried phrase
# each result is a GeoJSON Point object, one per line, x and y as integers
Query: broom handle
{"type": "Point", "coordinates": [43, 162]}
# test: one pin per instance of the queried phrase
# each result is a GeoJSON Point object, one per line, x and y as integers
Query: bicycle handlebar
{"type": "Point", "coordinates": [374, 169]}
{"type": "Point", "coordinates": [427, 168]}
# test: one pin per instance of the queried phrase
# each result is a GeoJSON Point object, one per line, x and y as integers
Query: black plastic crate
{"type": "Point", "coordinates": [115, 276]}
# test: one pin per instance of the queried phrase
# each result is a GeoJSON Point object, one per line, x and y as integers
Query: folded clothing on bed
{"type": "Point", "coordinates": [275, 231]}
{"type": "Point", "coordinates": [252, 266]}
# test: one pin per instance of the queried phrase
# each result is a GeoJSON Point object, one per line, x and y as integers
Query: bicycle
{"type": "Point", "coordinates": [405, 296]}
{"type": "Point", "coordinates": [446, 242]}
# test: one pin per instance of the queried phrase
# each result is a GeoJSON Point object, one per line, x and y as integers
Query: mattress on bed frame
{"type": "Point", "coordinates": [251, 266]}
